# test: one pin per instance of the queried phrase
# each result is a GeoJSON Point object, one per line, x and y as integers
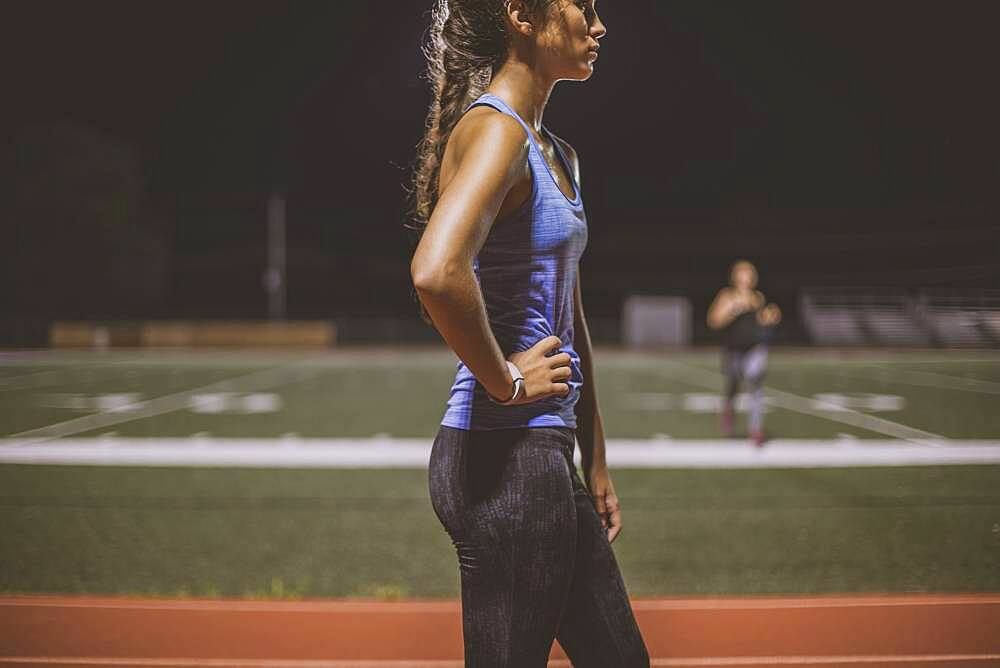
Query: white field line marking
{"type": "Point", "coordinates": [793, 360]}
{"type": "Point", "coordinates": [414, 453]}
{"type": "Point", "coordinates": [5, 382]}
{"type": "Point", "coordinates": [346, 357]}
{"type": "Point", "coordinates": [334, 606]}
{"type": "Point", "coordinates": [7, 386]}
{"type": "Point", "coordinates": [884, 659]}
{"type": "Point", "coordinates": [256, 380]}
{"type": "Point", "coordinates": [450, 606]}
{"type": "Point", "coordinates": [940, 380]}
{"type": "Point", "coordinates": [965, 360]}
{"type": "Point", "coordinates": [807, 406]}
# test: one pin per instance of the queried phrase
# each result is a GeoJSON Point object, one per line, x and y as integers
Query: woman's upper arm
{"type": "Point", "coordinates": [490, 154]}
{"type": "Point", "coordinates": [719, 304]}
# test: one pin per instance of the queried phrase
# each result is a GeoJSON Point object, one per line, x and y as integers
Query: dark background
{"type": "Point", "coordinates": [849, 143]}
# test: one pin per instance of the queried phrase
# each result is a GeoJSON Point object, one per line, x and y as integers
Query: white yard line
{"type": "Point", "coordinates": [413, 453]}
{"type": "Point", "coordinates": [256, 380]}
{"type": "Point", "coordinates": [940, 380]}
{"type": "Point", "coordinates": [958, 360]}
{"type": "Point", "coordinates": [6, 382]}
{"type": "Point", "coordinates": [31, 380]}
{"type": "Point", "coordinates": [809, 406]}
{"type": "Point", "coordinates": [836, 413]}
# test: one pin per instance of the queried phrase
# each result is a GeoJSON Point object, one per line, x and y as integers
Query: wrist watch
{"type": "Point", "coordinates": [517, 385]}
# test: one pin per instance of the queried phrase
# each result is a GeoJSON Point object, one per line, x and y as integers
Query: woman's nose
{"type": "Point", "coordinates": [598, 29]}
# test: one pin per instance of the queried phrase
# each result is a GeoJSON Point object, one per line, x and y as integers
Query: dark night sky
{"type": "Point", "coordinates": [837, 143]}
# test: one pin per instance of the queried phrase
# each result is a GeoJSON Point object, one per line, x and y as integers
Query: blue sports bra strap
{"type": "Point", "coordinates": [492, 100]}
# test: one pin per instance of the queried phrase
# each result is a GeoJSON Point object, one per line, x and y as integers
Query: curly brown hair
{"type": "Point", "coordinates": [466, 44]}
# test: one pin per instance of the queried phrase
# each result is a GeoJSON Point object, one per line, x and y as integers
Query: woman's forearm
{"type": "Point", "coordinates": [590, 433]}
{"type": "Point", "coordinates": [455, 305]}
{"type": "Point", "coordinates": [589, 430]}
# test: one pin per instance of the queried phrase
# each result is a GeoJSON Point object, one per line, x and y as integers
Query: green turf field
{"type": "Point", "coordinates": [329, 532]}
{"type": "Point", "coordinates": [248, 532]}
{"type": "Point", "coordinates": [402, 393]}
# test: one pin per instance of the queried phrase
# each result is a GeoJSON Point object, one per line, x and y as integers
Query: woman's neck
{"type": "Point", "coordinates": [524, 89]}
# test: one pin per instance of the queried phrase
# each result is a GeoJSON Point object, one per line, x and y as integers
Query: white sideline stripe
{"type": "Point", "coordinates": [559, 663]}
{"type": "Point", "coordinates": [799, 404]}
{"type": "Point", "coordinates": [414, 453]}
{"type": "Point", "coordinates": [256, 380]}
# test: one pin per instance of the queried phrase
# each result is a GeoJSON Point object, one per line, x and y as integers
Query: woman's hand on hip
{"type": "Point", "coordinates": [544, 375]}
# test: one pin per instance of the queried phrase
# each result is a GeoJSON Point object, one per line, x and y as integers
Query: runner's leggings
{"type": "Point", "coordinates": [534, 561]}
{"type": "Point", "coordinates": [749, 366]}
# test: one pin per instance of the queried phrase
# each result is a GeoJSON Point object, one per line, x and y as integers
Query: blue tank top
{"type": "Point", "coordinates": [526, 271]}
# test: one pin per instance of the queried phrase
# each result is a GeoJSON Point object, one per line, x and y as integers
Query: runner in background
{"type": "Point", "coordinates": [747, 323]}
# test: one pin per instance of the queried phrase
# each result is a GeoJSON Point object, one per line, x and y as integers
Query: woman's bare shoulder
{"type": "Point", "coordinates": [726, 292]}
{"type": "Point", "coordinates": [486, 127]}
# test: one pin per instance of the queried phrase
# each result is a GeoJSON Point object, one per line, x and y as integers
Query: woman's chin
{"type": "Point", "coordinates": [584, 72]}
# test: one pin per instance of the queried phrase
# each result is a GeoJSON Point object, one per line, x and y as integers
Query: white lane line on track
{"type": "Point", "coordinates": [168, 403]}
{"type": "Point", "coordinates": [884, 659]}
{"type": "Point", "coordinates": [808, 406]}
{"type": "Point", "coordinates": [414, 453]}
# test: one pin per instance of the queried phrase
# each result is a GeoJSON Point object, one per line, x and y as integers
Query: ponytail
{"type": "Point", "coordinates": [466, 43]}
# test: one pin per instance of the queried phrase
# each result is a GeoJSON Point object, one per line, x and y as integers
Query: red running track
{"type": "Point", "coordinates": [895, 631]}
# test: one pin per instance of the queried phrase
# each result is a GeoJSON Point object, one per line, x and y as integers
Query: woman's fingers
{"type": "Point", "coordinates": [601, 507]}
{"type": "Point", "coordinates": [614, 516]}
{"type": "Point", "coordinates": [615, 526]}
{"type": "Point", "coordinates": [545, 375]}
{"type": "Point", "coordinates": [559, 388]}
{"type": "Point", "coordinates": [552, 342]}
{"type": "Point", "coordinates": [562, 359]}
{"type": "Point", "coordinates": [562, 373]}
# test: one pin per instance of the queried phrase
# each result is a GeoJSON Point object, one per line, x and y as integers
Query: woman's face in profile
{"type": "Point", "coordinates": [568, 40]}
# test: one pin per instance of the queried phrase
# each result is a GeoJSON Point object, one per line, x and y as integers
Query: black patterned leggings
{"type": "Point", "coordinates": [534, 560]}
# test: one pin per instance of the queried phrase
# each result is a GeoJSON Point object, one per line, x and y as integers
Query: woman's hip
{"type": "Point", "coordinates": [476, 472]}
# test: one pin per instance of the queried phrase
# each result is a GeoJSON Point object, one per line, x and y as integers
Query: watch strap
{"type": "Point", "coordinates": [516, 386]}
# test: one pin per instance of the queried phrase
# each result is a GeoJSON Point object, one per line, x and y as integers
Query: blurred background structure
{"type": "Point", "coordinates": [840, 148]}
{"type": "Point", "coordinates": [205, 306]}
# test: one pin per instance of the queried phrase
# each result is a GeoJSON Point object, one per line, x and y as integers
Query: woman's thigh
{"type": "Point", "coordinates": [506, 499]}
{"type": "Point", "coordinates": [754, 365]}
{"type": "Point", "coordinates": [732, 367]}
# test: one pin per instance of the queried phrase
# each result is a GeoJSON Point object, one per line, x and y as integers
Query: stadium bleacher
{"type": "Point", "coordinates": [895, 317]}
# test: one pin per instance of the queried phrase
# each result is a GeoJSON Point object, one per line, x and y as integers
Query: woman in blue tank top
{"type": "Point", "coordinates": [499, 208]}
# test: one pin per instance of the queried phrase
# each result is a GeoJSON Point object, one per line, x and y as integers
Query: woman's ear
{"type": "Point", "coordinates": [519, 17]}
